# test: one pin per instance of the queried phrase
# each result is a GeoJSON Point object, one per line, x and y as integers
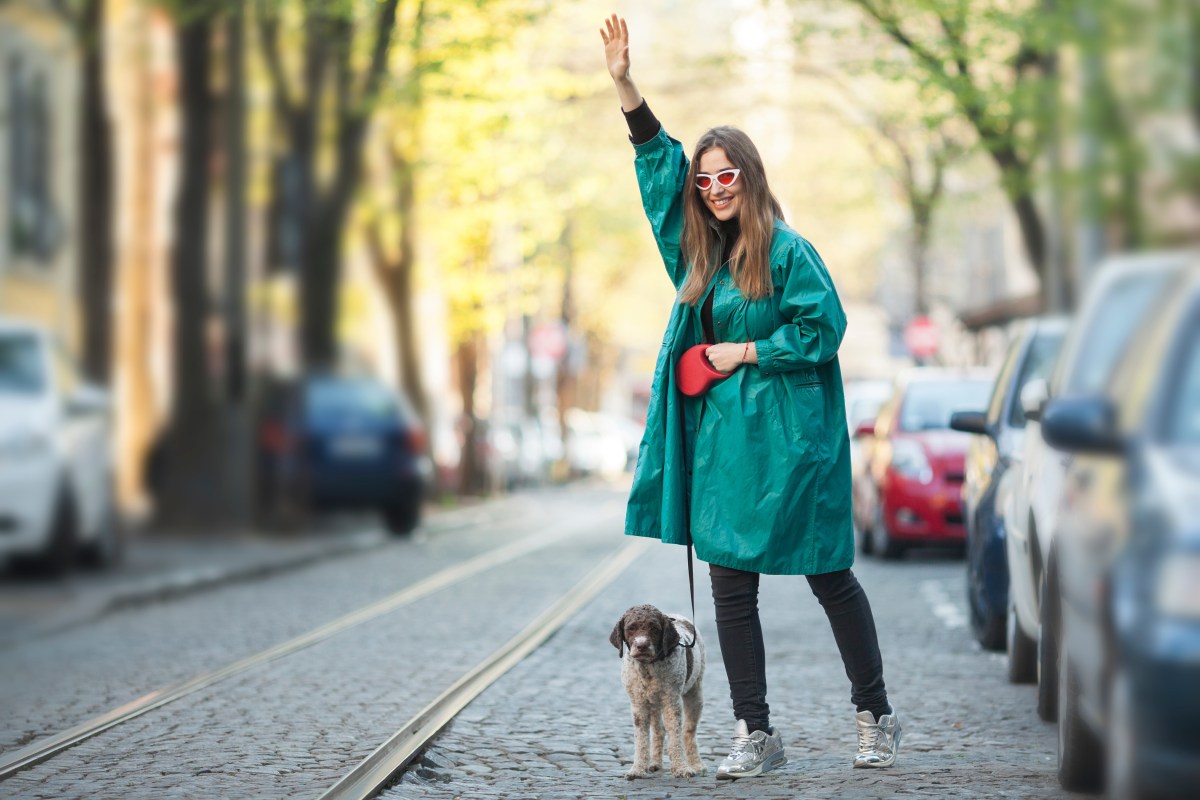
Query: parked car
{"type": "Point", "coordinates": [595, 444]}
{"type": "Point", "coordinates": [330, 442]}
{"type": "Point", "coordinates": [523, 452]}
{"type": "Point", "coordinates": [999, 428]}
{"type": "Point", "coordinates": [57, 500]}
{"type": "Point", "coordinates": [909, 495]}
{"type": "Point", "coordinates": [1122, 588]}
{"type": "Point", "coordinates": [1125, 291]}
{"type": "Point", "coordinates": [864, 398]}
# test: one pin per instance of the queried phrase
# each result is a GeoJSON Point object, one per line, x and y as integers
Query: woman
{"type": "Point", "coordinates": [759, 467]}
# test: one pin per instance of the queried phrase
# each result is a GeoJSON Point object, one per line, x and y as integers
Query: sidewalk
{"type": "Point", "coordinates": [157, 567]}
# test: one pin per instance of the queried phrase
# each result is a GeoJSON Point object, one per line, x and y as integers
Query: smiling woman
{"type": "Point", "coordinates": [755, 472]}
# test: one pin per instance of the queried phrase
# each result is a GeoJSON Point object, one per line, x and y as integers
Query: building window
{"type": "Point", "coordinates": [35, 228]}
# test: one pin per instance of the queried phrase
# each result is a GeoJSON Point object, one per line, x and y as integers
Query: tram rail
{"type": "Point", "coordinates": [49, 747]}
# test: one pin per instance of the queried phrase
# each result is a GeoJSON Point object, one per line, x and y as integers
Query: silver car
{"type": "Point", "coordinates": [56, 461]}
{"type": "Point", "coordinates": [1125, 292]}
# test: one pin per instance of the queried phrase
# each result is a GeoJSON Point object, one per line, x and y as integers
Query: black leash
{"type": "Point", "coordinates": [687, 528]}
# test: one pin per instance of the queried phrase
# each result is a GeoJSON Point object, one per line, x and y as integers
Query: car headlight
{"type": "Point", "coordinates": [1179, 586]}
{"type": "Point", "coordinates": [909, 459]}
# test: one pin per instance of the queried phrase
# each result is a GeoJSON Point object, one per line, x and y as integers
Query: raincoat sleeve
{"type": "Point", "coordinates": [662, 169]}
{"type": "Point", "coordinates": [810, 301]}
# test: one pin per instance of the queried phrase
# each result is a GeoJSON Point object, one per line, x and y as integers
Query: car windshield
{"type": "Point", "coordinates": [1116, 317]}
{"type": "Point", "coordinates": [21, 370]}
{"type": "Point", "coordinates": [928, 404]}
{"type": "Point", "coordinates": [330, 401]}
{"type": "Point", "coordinates": [1043, 350]}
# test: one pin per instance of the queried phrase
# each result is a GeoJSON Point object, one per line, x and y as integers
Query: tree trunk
{"type": "Point", "coordinates": [922, 222]}
{"type": "Point", "coordinates": [238, 436]}
{"type": "Point", "coordinates": [396, 278]}
{"type": "Point", "coordinates": [97, 204]}
{"type": "Point", "coordinates": [472, 477]}
{"type": "Point", "coordinates": [320, 279]}
{"type": "Point", "coordinates": [1033, 235]}
{"type": "Point", "coordinates": [190, 485]}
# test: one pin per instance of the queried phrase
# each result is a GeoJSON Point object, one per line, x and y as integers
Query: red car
{"type": "Point", "coordinates": [908, 492]}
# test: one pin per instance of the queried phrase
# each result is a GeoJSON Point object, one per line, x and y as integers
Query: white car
{"type": "Point", "coordinates": [1125, 291]}
{"type": "Point", "coordinates": [56, 463]}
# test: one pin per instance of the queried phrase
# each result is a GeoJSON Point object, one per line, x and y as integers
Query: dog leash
{"type": "Point", "coordinates": [687, 529]}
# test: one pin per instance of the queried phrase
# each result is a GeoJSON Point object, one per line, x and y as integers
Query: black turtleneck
{"type": "Point", "coordinates": [730, 231]}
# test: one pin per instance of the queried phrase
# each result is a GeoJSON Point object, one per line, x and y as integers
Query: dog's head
{"type": "Point", "coordinates": [649, 633]}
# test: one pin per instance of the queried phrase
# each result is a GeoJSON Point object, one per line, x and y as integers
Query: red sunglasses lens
{"type": "Point", "coordinates": [726, 178]}
{"type": "Point", "coordinates": [703, 182]}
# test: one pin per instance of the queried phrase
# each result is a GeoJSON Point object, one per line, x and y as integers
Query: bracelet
{"type": "Point", "coordinates": [745, 350]}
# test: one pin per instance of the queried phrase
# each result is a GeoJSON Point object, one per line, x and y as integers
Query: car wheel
{"type": "Point", "coordinates": [881, 541]}
{"type": "Point", "coordinates": [1121, 779]}
{"type": "Point", "coordinates": [1079, 753]}
{"type": "Point", "coordinates": [1022, 650]}
{"type": "Point", "coordinates": [863, 532]}
{"type": "Point", "coordinates": [1047, 657]}
{"type": "Point", "coordinates": [864, 543]}
{"type": "Point", "coordinates": [63, 546]}
{"type": "Point", "coordinates": [402, 519]}
{"type": "Point", "coordinates": [108, 546]}
{"type": "Point", "coordinates": [987, 626]}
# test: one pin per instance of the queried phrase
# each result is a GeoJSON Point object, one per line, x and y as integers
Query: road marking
{"type": "Point", "coordinates": [952, 614]}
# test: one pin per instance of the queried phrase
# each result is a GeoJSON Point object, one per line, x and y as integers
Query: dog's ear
{"type": "Point", "coordinates": [617, 637]}
{"type": "Point", "coordinates": [670, 636]}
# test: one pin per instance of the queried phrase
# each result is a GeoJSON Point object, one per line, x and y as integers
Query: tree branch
{"type": "Point", "coordinates": [383, 38]}
{"type": "Point", "coordinates": [268, 32]}
{"type": "Point", "coordinates": [891, 27]}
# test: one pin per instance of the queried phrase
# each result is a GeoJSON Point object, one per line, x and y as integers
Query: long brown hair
{"type": "Point", "coordinates": [749, 263]}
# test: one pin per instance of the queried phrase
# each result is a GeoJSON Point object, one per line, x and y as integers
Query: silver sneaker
{"type": "Point", "coordinates": [878, 742]}
{"type": "Point", "coordinates": [752, 753]}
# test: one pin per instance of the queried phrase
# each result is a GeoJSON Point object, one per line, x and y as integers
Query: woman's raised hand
{"type": "Point", "coordinates": [616, 50]}
{"type": "Point", "coordinates": [615, 34]}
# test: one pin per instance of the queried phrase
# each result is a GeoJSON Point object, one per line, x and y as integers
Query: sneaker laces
{"type": "Point", "coordinates": [741, 744]}
{"type": "Point", "coordinates": [870, 738]}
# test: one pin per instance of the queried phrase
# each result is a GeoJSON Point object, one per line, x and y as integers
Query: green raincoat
{"type": "Point", "coordinates": [761, 464]}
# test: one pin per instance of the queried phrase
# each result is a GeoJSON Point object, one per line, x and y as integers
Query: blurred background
{"type": "Point", "coordinates": [290, 255]}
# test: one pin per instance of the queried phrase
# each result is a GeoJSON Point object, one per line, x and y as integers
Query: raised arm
{"type": "Point", "coordinates": [615, 34]}
{"type": "Point", "coordinates": [659, 160]}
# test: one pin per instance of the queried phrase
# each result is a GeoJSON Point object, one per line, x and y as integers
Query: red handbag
{"type": "Point", "coordinates": [695, 374]}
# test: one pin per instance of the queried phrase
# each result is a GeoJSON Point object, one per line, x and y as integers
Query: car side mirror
{"type": "Point", "coordinates": [865, 428]}
{"type": "Point", "coordinates": [1083, 425]}
{"type": "Point", "coordinates": [87, 401]}
{"type": "Point", "coordinates": [969, 422]}
{"type": "Point", "coordinates": [1033, 396]}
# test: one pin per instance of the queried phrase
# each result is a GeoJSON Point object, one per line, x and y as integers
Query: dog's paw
{"type": "Point", "coordinates": [685, 772]}
{"type": "Point", "coordinates": [636, 773]}
{"type": "Point", "coordinates": [654, 768]}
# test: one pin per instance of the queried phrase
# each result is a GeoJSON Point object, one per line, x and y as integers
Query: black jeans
{"type": "Point", "coordinates": [735, 595]}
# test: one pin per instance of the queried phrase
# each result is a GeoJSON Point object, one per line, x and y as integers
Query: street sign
{"type": "Point", "coordinates": [921, 337]}
{"type": "Point", "coordinates": [548, 340]}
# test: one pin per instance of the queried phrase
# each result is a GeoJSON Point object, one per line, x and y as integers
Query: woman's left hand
{"type": "Point", "coordinates": [728, 356]}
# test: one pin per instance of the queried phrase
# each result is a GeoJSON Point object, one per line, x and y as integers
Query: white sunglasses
{"type": "Point", "coordinates": [726, 177]}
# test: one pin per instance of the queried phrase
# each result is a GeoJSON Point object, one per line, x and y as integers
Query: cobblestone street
{"type": "Point", "coordinates": [556, 726]}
